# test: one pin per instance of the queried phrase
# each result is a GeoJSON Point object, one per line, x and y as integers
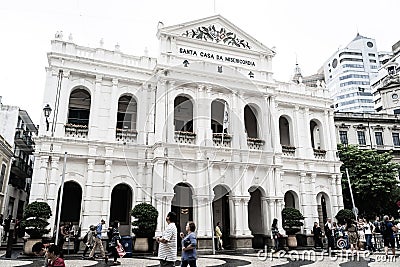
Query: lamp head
{"type": "Point", "coordinates": [47, 110]}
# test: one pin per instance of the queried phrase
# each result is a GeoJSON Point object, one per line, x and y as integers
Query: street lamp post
{"type": "Point", "coordinates": [211, 208]}
{"type": "Point", "coordinates": [60, 200]}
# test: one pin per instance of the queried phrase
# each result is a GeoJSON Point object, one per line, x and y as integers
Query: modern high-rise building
{"type": "Point", "coordinates": [348, 72]}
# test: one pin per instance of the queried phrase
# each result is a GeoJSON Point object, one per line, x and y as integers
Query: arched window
{"type": "Point", "coordinates": [183, 114]}
{"type": "Point", "coordinates": [79, 107]}
{"type": "Point", "coordinates": [284, 132]}
{"type": "Point", "coordinates": [126, 119]}
{"type": "Point", "coordinates": [250, 121]}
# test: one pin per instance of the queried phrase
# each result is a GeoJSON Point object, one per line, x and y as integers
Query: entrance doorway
{"type": "Point", "coordinates": [120, 208]}
{"type": "Point", "coordinates": [221, 213]}
{"type": "Point", "coordinates": [182, 205]}
{"type": "Point", "coordinates": [256, 218]}
{"type": "Point", "coordinates": [71, 203]}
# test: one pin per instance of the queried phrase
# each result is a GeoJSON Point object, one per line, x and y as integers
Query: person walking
{"type": "Point", "coordinates": [189, 243]}
{"type": "Point", "coordinates": [317, 235]}
{"type": "Point", "coordinates": [7, 223]}
{"type": "Point", "coordinates": [98, 243]}
{"type": "Point", "coordinates": [167, 249]}
{"type": "Point", "coordinates": [115, 242]}
{"type": "Point", "coordinates": [275, 234]}
{"type": "Point", "coordinates": [89, 244]}
{"type": "Point", "coordinates": [218, 234]}
{"type": "Point", "coordinates": [329, 234]}
{"type": "Point", "coordinates": [387, 230]}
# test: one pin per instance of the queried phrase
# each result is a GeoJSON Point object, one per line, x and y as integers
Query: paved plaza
{"type": "Point", "coordinates": [291, 259]}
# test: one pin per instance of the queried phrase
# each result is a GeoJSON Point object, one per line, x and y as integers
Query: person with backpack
{"type": "Point", "coordinates": [89, 240]}
{"type": "Point", "coordinates": [388, 230]}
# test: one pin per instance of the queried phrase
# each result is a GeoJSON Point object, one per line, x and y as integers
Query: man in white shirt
{"type": "Point", "coordinates": [167, 250]}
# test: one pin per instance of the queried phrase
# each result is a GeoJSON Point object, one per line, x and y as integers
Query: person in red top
{"type": "Point", "coordinates": [53, 253]}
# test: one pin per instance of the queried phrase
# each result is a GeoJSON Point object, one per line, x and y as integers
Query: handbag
{"type": "Point", "coordinates": [120, 250]}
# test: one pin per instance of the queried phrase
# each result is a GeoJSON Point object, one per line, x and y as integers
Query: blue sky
{"type": "Point", "coordinates": [310, 30]}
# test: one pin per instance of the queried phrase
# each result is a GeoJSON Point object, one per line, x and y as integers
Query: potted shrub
{"type": "Point", "coordinates": [291, 221]}
{"type": "Point", "coordinates": [35, 223]}
{"type": "Point", "coordinates": [144, 225]}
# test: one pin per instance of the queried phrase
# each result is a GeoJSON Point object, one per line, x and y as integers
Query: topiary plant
{"type": "Point", "coordinates": [35, 218]}
{"type": "Point", "coordinates": [291, 220]}
{"type": "Point", "coordinates": [343, 215]}
{"type": "Point", "coordinates": [146, 220]}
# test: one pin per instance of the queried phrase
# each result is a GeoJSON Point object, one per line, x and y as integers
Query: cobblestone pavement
{"type": "Point", "coordinates": [290, 259]}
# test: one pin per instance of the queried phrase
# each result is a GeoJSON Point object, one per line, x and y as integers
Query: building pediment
{"type": "Point", "coordinates": [214, 30]}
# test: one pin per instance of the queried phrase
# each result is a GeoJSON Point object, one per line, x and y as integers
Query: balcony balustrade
{"type": "Point", "coordinates": [255, 143]}
{"type": "Point", "coordinates": [288, 151]}
{"type": "Point", "coordinates": [222, 139]}
{"type": "Point", "coordinates": [76, 130]}
{"type": "Point", "coordinates": [126, 135]}
{"type": "Point", "coordinates": [185, 137]}
{"type": "Point", "coordinates": [319, 153]}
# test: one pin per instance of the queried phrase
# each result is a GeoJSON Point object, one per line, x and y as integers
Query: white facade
{"type": "Point", "coordinates": [18, 130]}
{"type": "Point", "coordinates": [203, 121]}
{"type": "Point", "coordinates": [386, 85]}
{"type": "Point", "coordinates": [348, 72]}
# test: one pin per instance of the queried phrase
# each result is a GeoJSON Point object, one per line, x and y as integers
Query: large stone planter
{"type": "Point", "coordinates": [141, 244]}
{"type": "Point", "coordinates": [292, 241]}
{"type": "Point", "coordinates": [28, 244]}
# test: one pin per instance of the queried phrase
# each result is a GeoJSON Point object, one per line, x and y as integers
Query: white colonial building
{"type": "Point", "coordinates": [203, 123]}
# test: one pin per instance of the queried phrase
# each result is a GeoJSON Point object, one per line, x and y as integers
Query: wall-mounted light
{"type": "Point", "coordinates": [47, 111]}
{"type": "Point", "coordinates": [186, 63]}
{"type": "Point", "coordinates": [251, 74]}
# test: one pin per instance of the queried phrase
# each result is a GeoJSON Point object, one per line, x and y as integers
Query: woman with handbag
{"type": "Point", "coordinates": [90, 240]}
{"type": "Point", "coordinates": [115, 243]}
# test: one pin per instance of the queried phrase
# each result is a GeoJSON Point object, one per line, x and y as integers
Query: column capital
{"type": "Point", "coordinates": [115, 81]}
{"type": "Point", "coordinates": [99, 78]}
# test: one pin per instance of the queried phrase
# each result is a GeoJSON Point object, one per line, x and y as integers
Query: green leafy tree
{"type": "Point", "coordinates": [146, 220]}
{"type": "Point", "coordinates": [373, 178]}
{"type": "Point", "coordinates": [35, 219]}
{"type": "Point", "coordinates": [291, 220]}
{"type": "Point", "coordinates": [343, 215]}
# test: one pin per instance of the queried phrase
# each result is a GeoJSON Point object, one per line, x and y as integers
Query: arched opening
{"type": "Point", "coordinates": [126, 118]}
{"type": "Point", "coordinates": [284, 131]}
{"type": "Point", "coordinates": [71, 203]}
{"type": "Point", "coordinates": [182, 205]}
{"type": "Point", "coordinates": [121, 207]}
{"type": "Point", "coordinates": [183, 114]}
{"type": "Point", "coordinates": [256, 217]}
{"type": "Point", "coordinates": [219, 116]}
{"type": "Point", "coordinates": [221, 212]}
{"type": "Point", "coordinates": [250, 121]}
{"type": "Point", "coordinates": [315, 135]}
{"type": "Point", "coordinates": [324, 208]}
{"type": "Point", "coordinates": [79, 107]}
{"type": "Point", "coordinates": [291, 200]}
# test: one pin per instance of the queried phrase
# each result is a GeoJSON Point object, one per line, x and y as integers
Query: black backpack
{"type": "Point", "coordinates": [85, 238]}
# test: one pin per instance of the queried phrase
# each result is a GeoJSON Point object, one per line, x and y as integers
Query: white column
{"type": "Point", "coordinates": [112, 123]}
{"type": "Point", "coordinates": [313, 202]}
{"type": "Point", "coordinates": [94, 127]}
{"type": "Point", "coordinates": [266, 216]}
{"type": "Point", "coordinates": [334, 200]}
{"type": "Point", "coordinates": [161, 112]}
{"type": "Point", "coordinates": [274, 124]}
{"type": "Point", "coordinates": [39, 183]}
{"type": "Point", "coordinates": [280, 205]}
{"type": "Point", "coordinates": [88, 196]}
{"type": "Point", "coordinates": [106, 199]}
{"type": "Point", "coordinates": [245, 217]}
{"type": "Point", "coordinates": [237, 216]}
{"type": "Point", "coordinates": [271, 211]}
{"type": "Point", "coordinates": [339, 191]}
{"type": "Point", "coordinates": [307, 135]}
{"type": "Point", "coordinates": [54, 182]}
{"type": "Point", "coordinates": [297, 137]}
{"type": "Point", "coordinates": [140, 188]}
{"type": "Point", "coordinates": [168, 124]}
{"type": "Point", "coordinates": [63, 103]}
{"type": "Point", "coordinates": [330, 150]}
